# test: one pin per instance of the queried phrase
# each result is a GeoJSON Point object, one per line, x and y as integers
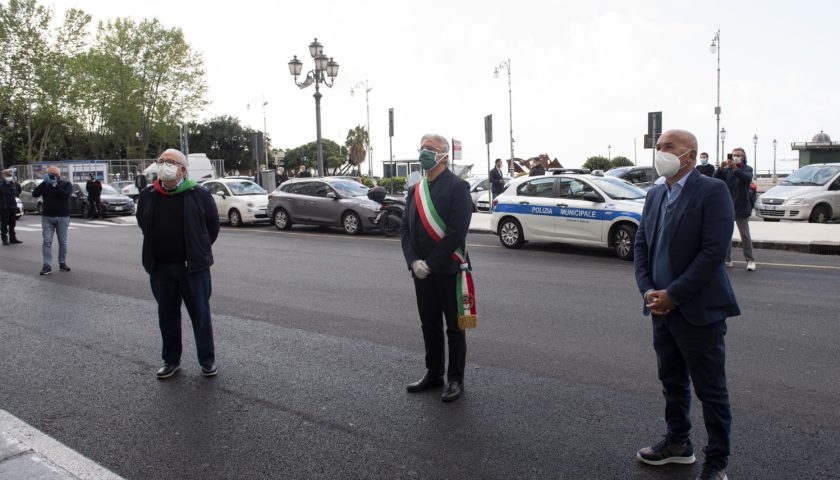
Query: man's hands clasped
{"type": "Point", "coordinates": [420, 269]}
{"type": "Point", "coordinates": [659, 302]}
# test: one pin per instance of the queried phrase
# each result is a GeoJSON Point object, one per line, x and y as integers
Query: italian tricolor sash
{"type": "Point", "coordinates": [436, 228]}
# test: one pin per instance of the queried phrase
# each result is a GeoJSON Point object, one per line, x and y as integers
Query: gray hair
{"type": "Point", "coordinates": [181, 157]}
{"type": "Point", "coordinates": [438, 138]}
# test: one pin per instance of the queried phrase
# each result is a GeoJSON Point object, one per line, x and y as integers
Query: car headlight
{"type": "Point", "coordinates": [796, 201]}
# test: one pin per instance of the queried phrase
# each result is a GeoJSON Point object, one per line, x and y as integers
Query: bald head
{"type": "Point", "coordinates": [52, 170]}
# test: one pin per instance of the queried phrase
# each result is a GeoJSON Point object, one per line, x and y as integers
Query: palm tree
{"type": "Point", "coordinates": [357, 144]}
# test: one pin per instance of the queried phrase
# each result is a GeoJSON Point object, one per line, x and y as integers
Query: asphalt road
{"type": "Point", "coordinates": [317, 335]}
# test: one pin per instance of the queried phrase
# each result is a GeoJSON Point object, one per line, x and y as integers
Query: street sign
{"type": "Point", "coordinates": [390, 122]}
{"type": "Point", "coordinates": [456, 150]}
{"type": "Point", "coordinates": [488, 129]}
{"type": "Point", "coordinates": [654, 123]}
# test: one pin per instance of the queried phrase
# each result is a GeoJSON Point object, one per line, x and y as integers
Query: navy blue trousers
{"type": "Point", "coordinates": [687, 354]}
{"type": "Point", "coordinates": [171, 285]}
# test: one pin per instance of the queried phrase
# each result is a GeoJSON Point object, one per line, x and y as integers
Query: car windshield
{"type": "Point", "coordinates": [615, 172]}
{"type": "Point", "coordinates": [619, 189]}
{"type": "Point", "coordinates": [812, 175]}
{"type": "Point", "coordinates": [350, 189]}
{"type": "Point", "coordinates": [475, 181]}
{"type": "Point", "coordinates": [245, 187]}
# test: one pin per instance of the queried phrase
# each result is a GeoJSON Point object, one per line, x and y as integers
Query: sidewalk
{"type": "Point", "coordinates": [26, 452]}
{"type": "Point", "coordinates": [823, 239]}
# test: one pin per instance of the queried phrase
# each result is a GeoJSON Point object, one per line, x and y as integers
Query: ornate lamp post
{"type": "Point", "coordinates": [722, 140]}
{"type": "Point", "coordinates": [755, 157]}
{"type": "Point", "coordinates": [367, 106]}
{"type": "Point", "coordinates": [506, 66]}
{"type": "Point", "coordinates": [326, 69]}
{"type": "Point", "coordinates": [715, 48]}
{"type": "Point", "coordinates": [3, 129]}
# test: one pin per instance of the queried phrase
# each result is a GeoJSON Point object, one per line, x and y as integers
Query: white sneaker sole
{"type": "Point", "coordinates": [665, 461]}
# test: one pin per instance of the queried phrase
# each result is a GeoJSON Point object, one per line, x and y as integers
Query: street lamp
{"type": "Point", "coordinates": [265, 134]}
{"type": "Point", "coordinates": [506, 66]}
{"type": "Point", "coordinates": [326, 69]}
{"type": "Point", "coordinates": [715, 48]}
{"type": "Point", "coordinates": [755, 157]}
{"type": "Point", "coordinates": [774, 159]}
{"type": "Point", "coordinates": [609, 152]}
{"type": "Point", "coordinates": [722, 139]}
{"type": "Point", "coordinates": [367, 106]}
{"type": "Point", "coordinates": [3, 129]}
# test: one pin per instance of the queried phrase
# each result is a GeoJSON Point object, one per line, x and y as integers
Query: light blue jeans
{"type": "Point", "coordinates": [59, 225]}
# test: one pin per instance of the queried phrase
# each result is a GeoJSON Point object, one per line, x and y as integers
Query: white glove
{"type": "Point", "coordinates": [420, 269]}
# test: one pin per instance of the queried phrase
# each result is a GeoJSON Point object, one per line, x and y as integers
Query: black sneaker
{"type": "Point", "coordinates": [666, 452]}
{"type": "Point", "coordinates": [167, 370]}
{"type": "Point", "coordinates": [711, 473]}
{"type": "Point", "coordinates": [46, 270]}
{"type": "Point", "coordinates": [209, 370]}
{"type": "Point", "coordinates": [64, 268]}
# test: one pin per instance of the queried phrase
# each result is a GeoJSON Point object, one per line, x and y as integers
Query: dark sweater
{"type": "Point", "coordinates": [56, 198]}
{"type": "Point", "coordinates": [167, 234]}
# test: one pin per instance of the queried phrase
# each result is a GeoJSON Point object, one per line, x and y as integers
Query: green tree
{"type": "Point", "coordinates": [224, 137]}
{"type": "Point", "coordinates": [620, 161]}
{"type": "Point", "coordinates": [357, 143]}
{"type": "Point", "coordinates": [334, 156]}
{"type": "Point", "coordinates": [597, 163]}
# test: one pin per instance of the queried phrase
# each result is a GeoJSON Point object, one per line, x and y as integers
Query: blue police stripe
{"type": "Point", "coordinates": [570, 212]}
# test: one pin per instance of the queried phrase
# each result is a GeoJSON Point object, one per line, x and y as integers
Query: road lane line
{"type": "Point", "coordinates": [85, 225]}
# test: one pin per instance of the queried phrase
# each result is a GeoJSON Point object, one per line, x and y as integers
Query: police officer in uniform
{"type": "Point", "coordinates": [433, 267]}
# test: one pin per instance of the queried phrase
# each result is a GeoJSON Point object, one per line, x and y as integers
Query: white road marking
{"type": "Point", "coordinates": [85, 225]}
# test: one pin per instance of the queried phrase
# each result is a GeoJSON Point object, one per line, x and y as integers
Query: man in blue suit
{"type": "Point", "coordinates": [681, 243]}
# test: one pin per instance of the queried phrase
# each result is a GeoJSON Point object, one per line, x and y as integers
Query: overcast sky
{"type": "Point", "coordinates": [584, 74]}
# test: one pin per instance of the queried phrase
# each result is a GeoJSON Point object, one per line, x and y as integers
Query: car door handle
{"type": "Point", "coordinates": [524, 203]}
{"type": "Point", "coordinates": [562, 205]}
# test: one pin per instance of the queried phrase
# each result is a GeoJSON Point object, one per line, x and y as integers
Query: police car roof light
{"type": "Point", "coordinates": [559, 171]}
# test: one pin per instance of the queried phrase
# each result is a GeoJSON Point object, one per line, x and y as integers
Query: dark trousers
{"type": "Point", "coordinates": [436, 301]}
{"type": "Point", "coordinates": [171, 284]}
{"type": "Point", "coordinates": [686, 354]}
{"type": "Point", "coordinates": [8, 218]}
{"type": "Point", "coordinates": [94, 208]}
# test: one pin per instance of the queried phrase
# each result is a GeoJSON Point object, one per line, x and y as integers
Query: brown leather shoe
{"type": "Point", "coordinates": [428, 381]}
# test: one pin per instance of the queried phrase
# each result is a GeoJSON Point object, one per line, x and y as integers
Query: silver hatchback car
{"type": "Point", "coordinates": [323, 201]}
{"type": "Point", "coordinates": [811, 193]}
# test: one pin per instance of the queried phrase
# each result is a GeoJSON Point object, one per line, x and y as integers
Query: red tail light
{"type": "Point", "coordinates": [493, 204]}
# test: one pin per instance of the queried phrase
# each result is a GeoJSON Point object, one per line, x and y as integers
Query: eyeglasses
{"type": "Point", "coordinates": [171, 163]}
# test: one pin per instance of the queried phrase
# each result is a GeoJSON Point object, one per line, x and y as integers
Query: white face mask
{"type": "Point", "coordinates": [168, 173]}
{"type": "Point", "coordinates": [668, 164]}
{"type": "Point", "coordinates": [704, 160]}
{"type": "Point", "coordinates": [7, 179]}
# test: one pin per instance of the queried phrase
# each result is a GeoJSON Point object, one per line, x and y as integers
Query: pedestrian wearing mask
{"type": "Point", "coordinates": [682, 240]}
{"type": "Point", "coordinates": [738, 177]}
{"type": "Point", "coordinates": [9, 191]}
{"type": "Point", "coordinates": [94, 191]}
{"type": "Point", "coordinates": [705, 168]}
{"type": "Point", "coordinates": [55, 217]}
{"type": "Point", "coordinates": [180, 222]}
{"type": "Point", "coordinates": [438, 213]}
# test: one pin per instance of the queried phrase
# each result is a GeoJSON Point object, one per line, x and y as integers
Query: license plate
{"type": "Point", "coordinates": [118, 209]}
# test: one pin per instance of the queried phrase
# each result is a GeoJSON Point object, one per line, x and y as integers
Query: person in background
{"type": "Point", "coordinates": [497, 178]}
{"type": "Point", "coordinates": [738, 177]}
{"type": "Point", "coordinates": [537, 168]}
{"type": "Point", "coordinates": [55, 217]}
{"type": "Point", "coordinates": [9, 191]}
{"type": "Point", "coordinates": [705, 168]}
{"type": "Point", "coordinates": [94, 191]}
{"type": "Point", "coordinates": [303, 172]}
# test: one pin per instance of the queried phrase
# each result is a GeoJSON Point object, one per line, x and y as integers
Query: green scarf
{"type": "Point", "coordinates": [185, 185]}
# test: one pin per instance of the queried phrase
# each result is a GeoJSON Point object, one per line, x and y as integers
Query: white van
{"type": "Point", "coordinates": [199, 168]}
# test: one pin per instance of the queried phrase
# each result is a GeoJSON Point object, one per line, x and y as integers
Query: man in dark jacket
{"type": "Point", "coordinates": [497, 179]}
{"type": "Point", "coordinates": [435, 230]}
{"type": "Point", "coordinates": [55, 217]}
{"type": "Point", "coordinates": [738, 177]}
{"type": "Point", "coordinates": [537, 168]}
{"type": "Point", "coordinates": [94, 191]}
{"type": "Point", "coordinates": [9, 191]}
{"type": "Point", "coordinates": [705, 167]}
{"type": "Point", "coordinates": [180, 222]}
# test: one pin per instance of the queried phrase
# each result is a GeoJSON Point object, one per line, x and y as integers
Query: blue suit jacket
{"type": "Point", "coordinates": [700, 233]}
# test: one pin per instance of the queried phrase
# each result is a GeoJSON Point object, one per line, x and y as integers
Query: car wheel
{"type": "Point", "coordinates": [820, 214]}
{"type": "Point", "coordinates": [281, 219]}
{"type": "Point", "coordinates": [624, 240]}
{"type": "Point", "coordinates": [235, 218]}
{"type": "Point", "coordinates": [39, 207]}
{"type": "Point", "coordinates": [510, 233]}
{"type": "Point", "coordinates": [351, 223]}
{"type": "Point", "coordinates": [772, 219]}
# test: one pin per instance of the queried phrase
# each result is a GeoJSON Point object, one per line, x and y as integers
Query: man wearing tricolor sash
{"type": "Point", "coordinates": [434, 233]}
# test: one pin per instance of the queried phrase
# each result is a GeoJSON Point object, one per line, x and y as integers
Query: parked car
{"type": "Point", "coordinates": [482, 204]}
{"type": "Point", "coordinates": [642, 177]}
{"type": "Point", "coordinates": [569, 208]}
{"type": "Point", "coordinates": [113, 202]}
{"type": "Point", "coordinates": [30, 203]}
{"type": "Point", "coordinates": [811, 193]}
{"type": "Point", "coordinates": [478, 185]}
{"type": "Point", "coordinates": [238, 201]}
{"type": "Point", "coordinates": [323, 201]}
{"type": "Point", "coordinates": [19, 208]}
{"type": "Point", "coordinates": [120, 184]}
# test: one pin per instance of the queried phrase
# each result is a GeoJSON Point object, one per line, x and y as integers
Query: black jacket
{"type": "Point", "coordinates": [201, 226]}
{"type": "Point", "coordinates": [452, 201]}
{"type": "Point", "coordinates": [94, 188]}
{"type": "Point", "coordinates": [497, 181]}
{"type": "Point", "coordinates": [56, 198]}
{"type": "Point", "coordinates": [738, 180]}
{"type": "Point", "coordinates": [8, 192]}
{"type": "Point", "coordinates": [707, 169]}
{"type": "Point", "coordinates": [537, 170]}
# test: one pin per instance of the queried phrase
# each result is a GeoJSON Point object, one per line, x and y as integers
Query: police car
{"type": "Point", "coordinates": [569, 206]}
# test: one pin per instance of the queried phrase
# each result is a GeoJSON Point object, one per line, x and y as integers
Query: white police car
{"type": "Point", "coordinates": [569, 206]}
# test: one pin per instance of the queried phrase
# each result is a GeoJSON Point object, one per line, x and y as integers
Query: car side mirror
{"type": "Point", "coordinates": [221, 194]}
{"type": "Point", "coordinates": [332, 195]}
{"type": "Point", "coordinates": [593, 197]}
